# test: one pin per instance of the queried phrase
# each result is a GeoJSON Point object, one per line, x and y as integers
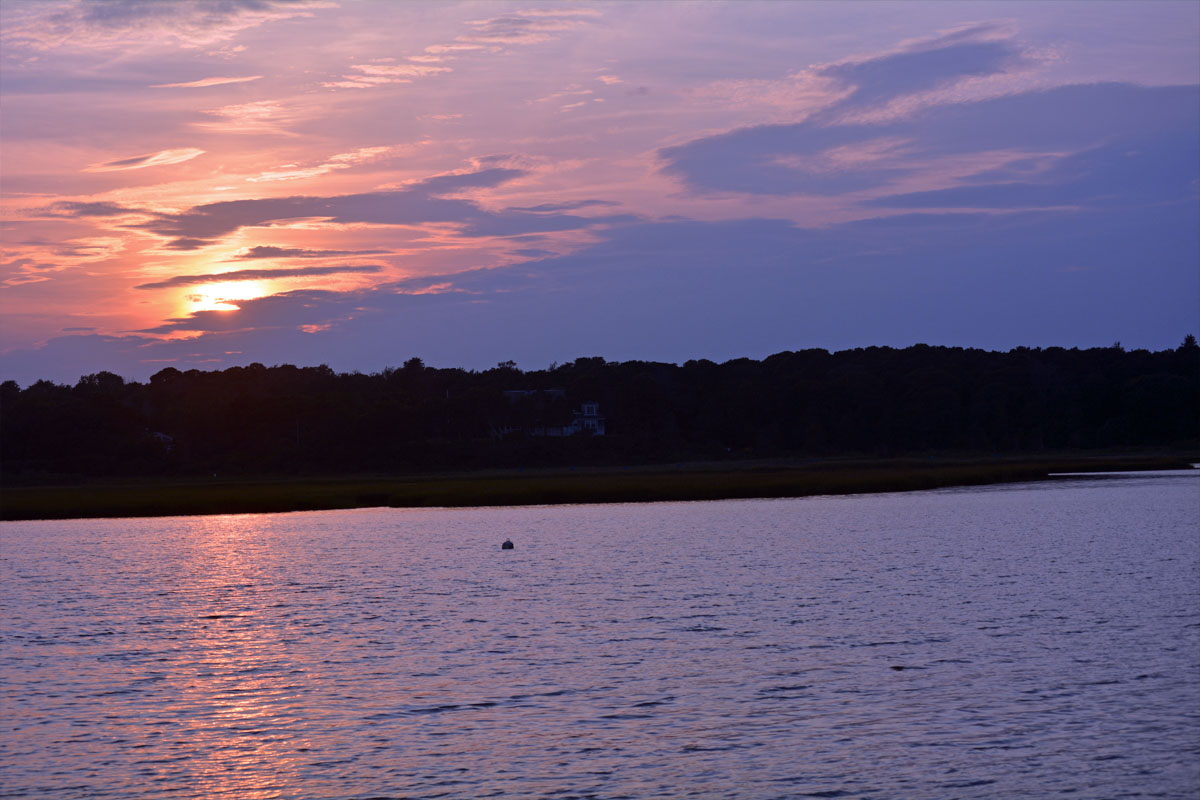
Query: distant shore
{"type": "Point", "coordinates": [703, 481]}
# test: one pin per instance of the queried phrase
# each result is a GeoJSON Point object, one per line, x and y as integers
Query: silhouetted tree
{"type": "Point", "coordinates": [868, 401]}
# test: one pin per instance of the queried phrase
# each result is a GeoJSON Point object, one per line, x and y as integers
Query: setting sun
{"type": "Point", "coordinates": [508, 398]}
{"type": "Point", "coordinates": [222, 296]}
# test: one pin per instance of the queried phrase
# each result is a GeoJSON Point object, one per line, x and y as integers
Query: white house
{"type": "Point", "coordinates": [588, 418]}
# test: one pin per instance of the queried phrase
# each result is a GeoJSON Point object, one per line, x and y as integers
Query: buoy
{"type": "Point", "coordinates": [508, 545]}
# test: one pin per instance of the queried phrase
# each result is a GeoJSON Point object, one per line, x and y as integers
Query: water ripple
{"type": "Point", "coordinates": [989, 643]}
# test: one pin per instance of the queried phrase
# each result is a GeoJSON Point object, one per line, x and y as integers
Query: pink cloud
{"type": "Point", "coordinates": [340, 161]}
{"type": "Point", "coordinates": [261, 116]}
{"type": "Point", "coordinates": [369, 75]}
{"type": "Point", "coordinates": [205, 82]}
{"type": "Point", "coordinates": [161, 158]}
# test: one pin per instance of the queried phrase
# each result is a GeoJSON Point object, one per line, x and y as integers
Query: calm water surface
{"type": "Point", "coordinates": [1030, 640]}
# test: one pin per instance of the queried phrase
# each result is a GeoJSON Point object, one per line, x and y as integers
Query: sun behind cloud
{"type": "Point", "coordinates": [223, 296]}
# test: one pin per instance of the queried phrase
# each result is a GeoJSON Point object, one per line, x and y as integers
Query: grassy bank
{"type": "Point", "coordinates": [641, 484]}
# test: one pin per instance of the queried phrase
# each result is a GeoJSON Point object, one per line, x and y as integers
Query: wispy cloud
{"type": "Point", "coordinates": [255, 275]}
{"type": "Point", "coordinates": [271, 251]}
{"type": "Point", "coordinates": [399, 70]}
{"type": "Point", "coordinates": [530, 26]}
{"type": "Point", "coordinates": [424, 202]}
{"type": "Point", "coordinates": [100, 208]}
{"type": "Point", "coordinates": [290, 172]}
{"type": "Point", "coordinates": [518, 28]}
{"type": "Point", "coordinates": [889, 82]}
{"type": "Point", "coordinates": [893, 124]}
{"type": "Point", "coordinates": [919, 65]}
{"type": "Point", "coordinates": [751, 111]}
{"type": "Point", "coordinates": [112, 23]}
{"type": "Point", "coordinates": [161, 158]}
{"type": "Point", "coordinates": [260, 116]}
{"type": "Point", "coordinates": [572, 91]}
{"type": "Point", "coordinates": [206, 82]}
{"type": "Point", "coordinates": [1093, 144]}
{"type": "Point", "coordinates": [367, 76]}
{"type": "Point", "coordinates": [25, 270]}
{"type": "Point", "coordinates": [543, 208]}
{"type": "Point", "coordinates": [440, 49]}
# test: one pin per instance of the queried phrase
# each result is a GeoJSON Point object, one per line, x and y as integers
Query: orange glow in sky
{"type": "Point", "coordinates": [475, 182]}
{"type": "Point", "coordinates": [223, 296]}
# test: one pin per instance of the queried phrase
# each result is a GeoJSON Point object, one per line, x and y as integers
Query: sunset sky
{"type": "Point", "coordinates": [207, 184]}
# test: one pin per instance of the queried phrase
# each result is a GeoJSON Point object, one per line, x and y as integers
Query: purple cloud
{"type": "Point", "coordinates": [923, 65]}
{"type": "Point", "coordinates": [575, 206]}
{"type": "Point", "coordinates": [423, 202]}
{"type": "Point", "coordinates": [655, 290]}
{"type": "Point", "coordinates": [71, 208]}
{"type": "Point", "coordinates": [186, 243]}
{"type": "Point", "coordinates": [292, 310]}
{"type": "Point", "coordinates": [195, 15]}
{"type": "Point", "coordinates": [26, 263]}
{"type": "Point", "coordinates": [1156, 168]}
{"type": "Point", "coordinates": [419, 203]}
{"type": "Point", "coordinates": [1095, 125]}
{"type": "Point", "coordinates": [528, 27]}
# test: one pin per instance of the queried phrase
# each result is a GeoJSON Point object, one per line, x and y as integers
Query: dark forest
{"type": "Point", "coordinates": [868, 402]}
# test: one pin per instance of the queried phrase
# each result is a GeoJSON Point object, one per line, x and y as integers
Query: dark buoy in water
{"type": "Point", "coordinates": [508, 545]}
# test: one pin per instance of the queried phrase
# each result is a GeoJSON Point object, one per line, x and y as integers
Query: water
{"type": "Point", "coordinates": [1030, 640]}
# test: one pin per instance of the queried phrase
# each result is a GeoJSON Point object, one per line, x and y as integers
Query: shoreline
{"type": "Point", "coordinates": [680, 482]}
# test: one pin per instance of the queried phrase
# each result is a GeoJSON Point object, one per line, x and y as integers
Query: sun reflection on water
{"type": "Point", "coordinates": [243, 692]}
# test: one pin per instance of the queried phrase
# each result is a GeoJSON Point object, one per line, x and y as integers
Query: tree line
{"type": "Point", "coordinates": [874, 401]}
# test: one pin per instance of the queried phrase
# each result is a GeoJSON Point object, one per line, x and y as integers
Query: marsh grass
{"type": "Point", "coordinates": [641, 484]}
